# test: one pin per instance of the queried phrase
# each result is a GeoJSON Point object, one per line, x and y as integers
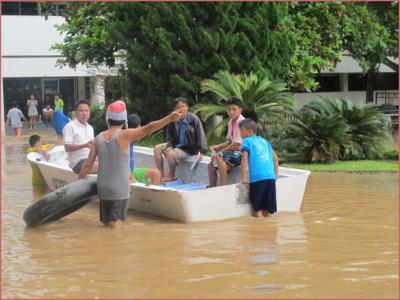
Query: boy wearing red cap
{"type": "Point", "coordinates": [112, 149]}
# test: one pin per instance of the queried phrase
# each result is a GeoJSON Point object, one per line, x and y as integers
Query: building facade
{"type": "Point", "coordinates": [29, 65]}
{"type": "Point", "coordinates": [347, 81]}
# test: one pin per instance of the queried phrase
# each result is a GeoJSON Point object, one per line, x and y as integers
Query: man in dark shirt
{"type": "Point", "coordinates": [184, 138]}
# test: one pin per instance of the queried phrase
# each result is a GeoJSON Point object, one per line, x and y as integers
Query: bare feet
{"type": "Point", "coordinates": [258, 214]}
{"type": "Point", "coordinates": [265, 213]}
{"type": "Point", "coordinates": [115, 224]}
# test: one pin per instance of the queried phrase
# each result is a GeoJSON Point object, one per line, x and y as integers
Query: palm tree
{"type": "Point", "coordinates": [265, 100]}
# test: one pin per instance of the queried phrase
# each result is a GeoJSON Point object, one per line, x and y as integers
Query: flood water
{"type": "Point", "coordinates": [343, 243]}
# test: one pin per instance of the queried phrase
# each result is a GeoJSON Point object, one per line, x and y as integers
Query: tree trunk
{"type": "Point", "coordinates": [391, 64]}
{"type": "Point", "coordinates": [370, 86]}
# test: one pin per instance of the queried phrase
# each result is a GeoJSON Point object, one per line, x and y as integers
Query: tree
{"type": "Point", "coordinates": [167, 49]}
{"type": "Point", "coordinates": [265, 100]}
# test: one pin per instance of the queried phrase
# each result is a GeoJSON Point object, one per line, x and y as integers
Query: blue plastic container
{"type": "Point", "coordinates": [172, 183]}
{"type": "Point", "coordinates": [190, 186]}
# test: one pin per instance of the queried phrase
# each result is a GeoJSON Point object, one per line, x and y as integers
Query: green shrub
{"type": "Point", "coordinates": [98, 118]}
{"type": "Point", "coordinates": [326, 126]}
{"type": "Point", "coordinates": [317, 136]}
{"type": "Point", "coordinates": [391, 154]}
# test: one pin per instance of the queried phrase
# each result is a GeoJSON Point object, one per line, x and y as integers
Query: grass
{"type": "Point", "coordinates": [351, 166]}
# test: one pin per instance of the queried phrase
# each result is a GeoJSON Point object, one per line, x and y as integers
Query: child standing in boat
{"type": "Point", "coordinates": [112, 148]}
{"type": "Point", "coordinates": [259, 168]}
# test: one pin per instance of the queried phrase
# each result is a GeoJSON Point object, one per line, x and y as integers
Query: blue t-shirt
{"type": "Point", "coordinates": [261, 159]}
{"type": "Point", "coordinates": [182, 126]}
{"type": "Point", "coordinates": [131, 161]}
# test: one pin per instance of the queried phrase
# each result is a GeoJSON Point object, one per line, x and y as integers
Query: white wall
{"type": "Point", "coordinates": [29, 35]}
{"type": "Point", "coordinates": [38, 67]}
{"type": "Point", "coordinates": [347, 64]}
{"type": "Point", "coordinates": [26, 43]}
{"type": "Point", "coordinates": [305, 98]}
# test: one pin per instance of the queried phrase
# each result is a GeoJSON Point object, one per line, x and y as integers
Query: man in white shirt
{"type": "Point", "coordinates": [78, 136]}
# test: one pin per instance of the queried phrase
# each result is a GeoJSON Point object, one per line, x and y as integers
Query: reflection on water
{"type": "Point", "coordinates": [342, 244]}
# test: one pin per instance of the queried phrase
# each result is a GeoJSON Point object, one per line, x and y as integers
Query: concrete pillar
{"type": "Point", "coordinates": [81, 88]}
{"type": "Point", "coordinates": [98, 95]}
{"type": "Point", "coordinates": [344, 82]}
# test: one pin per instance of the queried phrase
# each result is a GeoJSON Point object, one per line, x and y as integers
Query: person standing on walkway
{"type": "Point", "coordinates": [32, 111]}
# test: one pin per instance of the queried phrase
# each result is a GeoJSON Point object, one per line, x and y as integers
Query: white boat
{"type": "Point", "coordinates": [189, 203]}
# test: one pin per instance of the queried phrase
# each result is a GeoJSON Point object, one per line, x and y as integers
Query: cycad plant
{"type": "Point", "coordinates": [365, 126]}
{"type": "Point", "coordinates": [316, 134]}
{"type": "Point", "coordinates": [329, 129]}
{"type": "Point", "coordinates": [265, 100]}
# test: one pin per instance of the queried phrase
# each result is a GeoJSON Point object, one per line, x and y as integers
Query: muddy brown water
{"type": "Point", "coordinates": [343, 243]}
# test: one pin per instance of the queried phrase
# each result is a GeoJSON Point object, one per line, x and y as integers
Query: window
{"type": "Point", "coordinates": [9, 8]}
{"type": "Point", "coordinates": [28, 9]}
{"type": "Point", "coordinates": [328, 83]}
{"type": "Point", "coordinates": [33, 8]}
{"type": "Point", "coordinates": [19, 8]}
{"type": "Point", "coordinates": [357, 82]}
{"type": "Point", "coordinates": [386, 81]}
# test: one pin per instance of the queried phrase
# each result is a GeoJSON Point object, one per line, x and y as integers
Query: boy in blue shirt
{"type": "Point", "coordinates": [259, 168]}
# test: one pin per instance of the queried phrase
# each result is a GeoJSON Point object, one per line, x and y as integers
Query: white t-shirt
{"type": "Point", "coordinates": [77, 133]}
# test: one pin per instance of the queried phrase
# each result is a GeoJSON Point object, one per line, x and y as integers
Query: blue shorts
{"type": "Point", "coordinates": [263, 195]}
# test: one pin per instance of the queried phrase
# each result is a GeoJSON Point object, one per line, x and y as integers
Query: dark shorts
{"type": "Point", "coordinates": [113, 210]}
{"type": "Point", "coordinates": [77, 168]}
{"type": "Point", "coordinates": [263, 195]}
{"type": "Point", "coordinates": [232, 158]}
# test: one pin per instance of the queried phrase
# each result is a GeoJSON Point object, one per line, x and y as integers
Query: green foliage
{"type": "Point", "coordinates": [152, 140]}
{"type": "Point", "coordinates": [167, 49]}
{"type": "Point", "coordinates": [391, 154]}
{"type": "Point", "coordinates": [329, 129]}
{"type": "Point", "coordinates": [317, 135]}
{"type": "Point", "coordinates": [370, 32]}
{"type": "Point", "coordinates": [98, 119]}
{"type": "Point", "coordinates": [266, 100]}
{"type": "Point", "coordinates": [366, 129]}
